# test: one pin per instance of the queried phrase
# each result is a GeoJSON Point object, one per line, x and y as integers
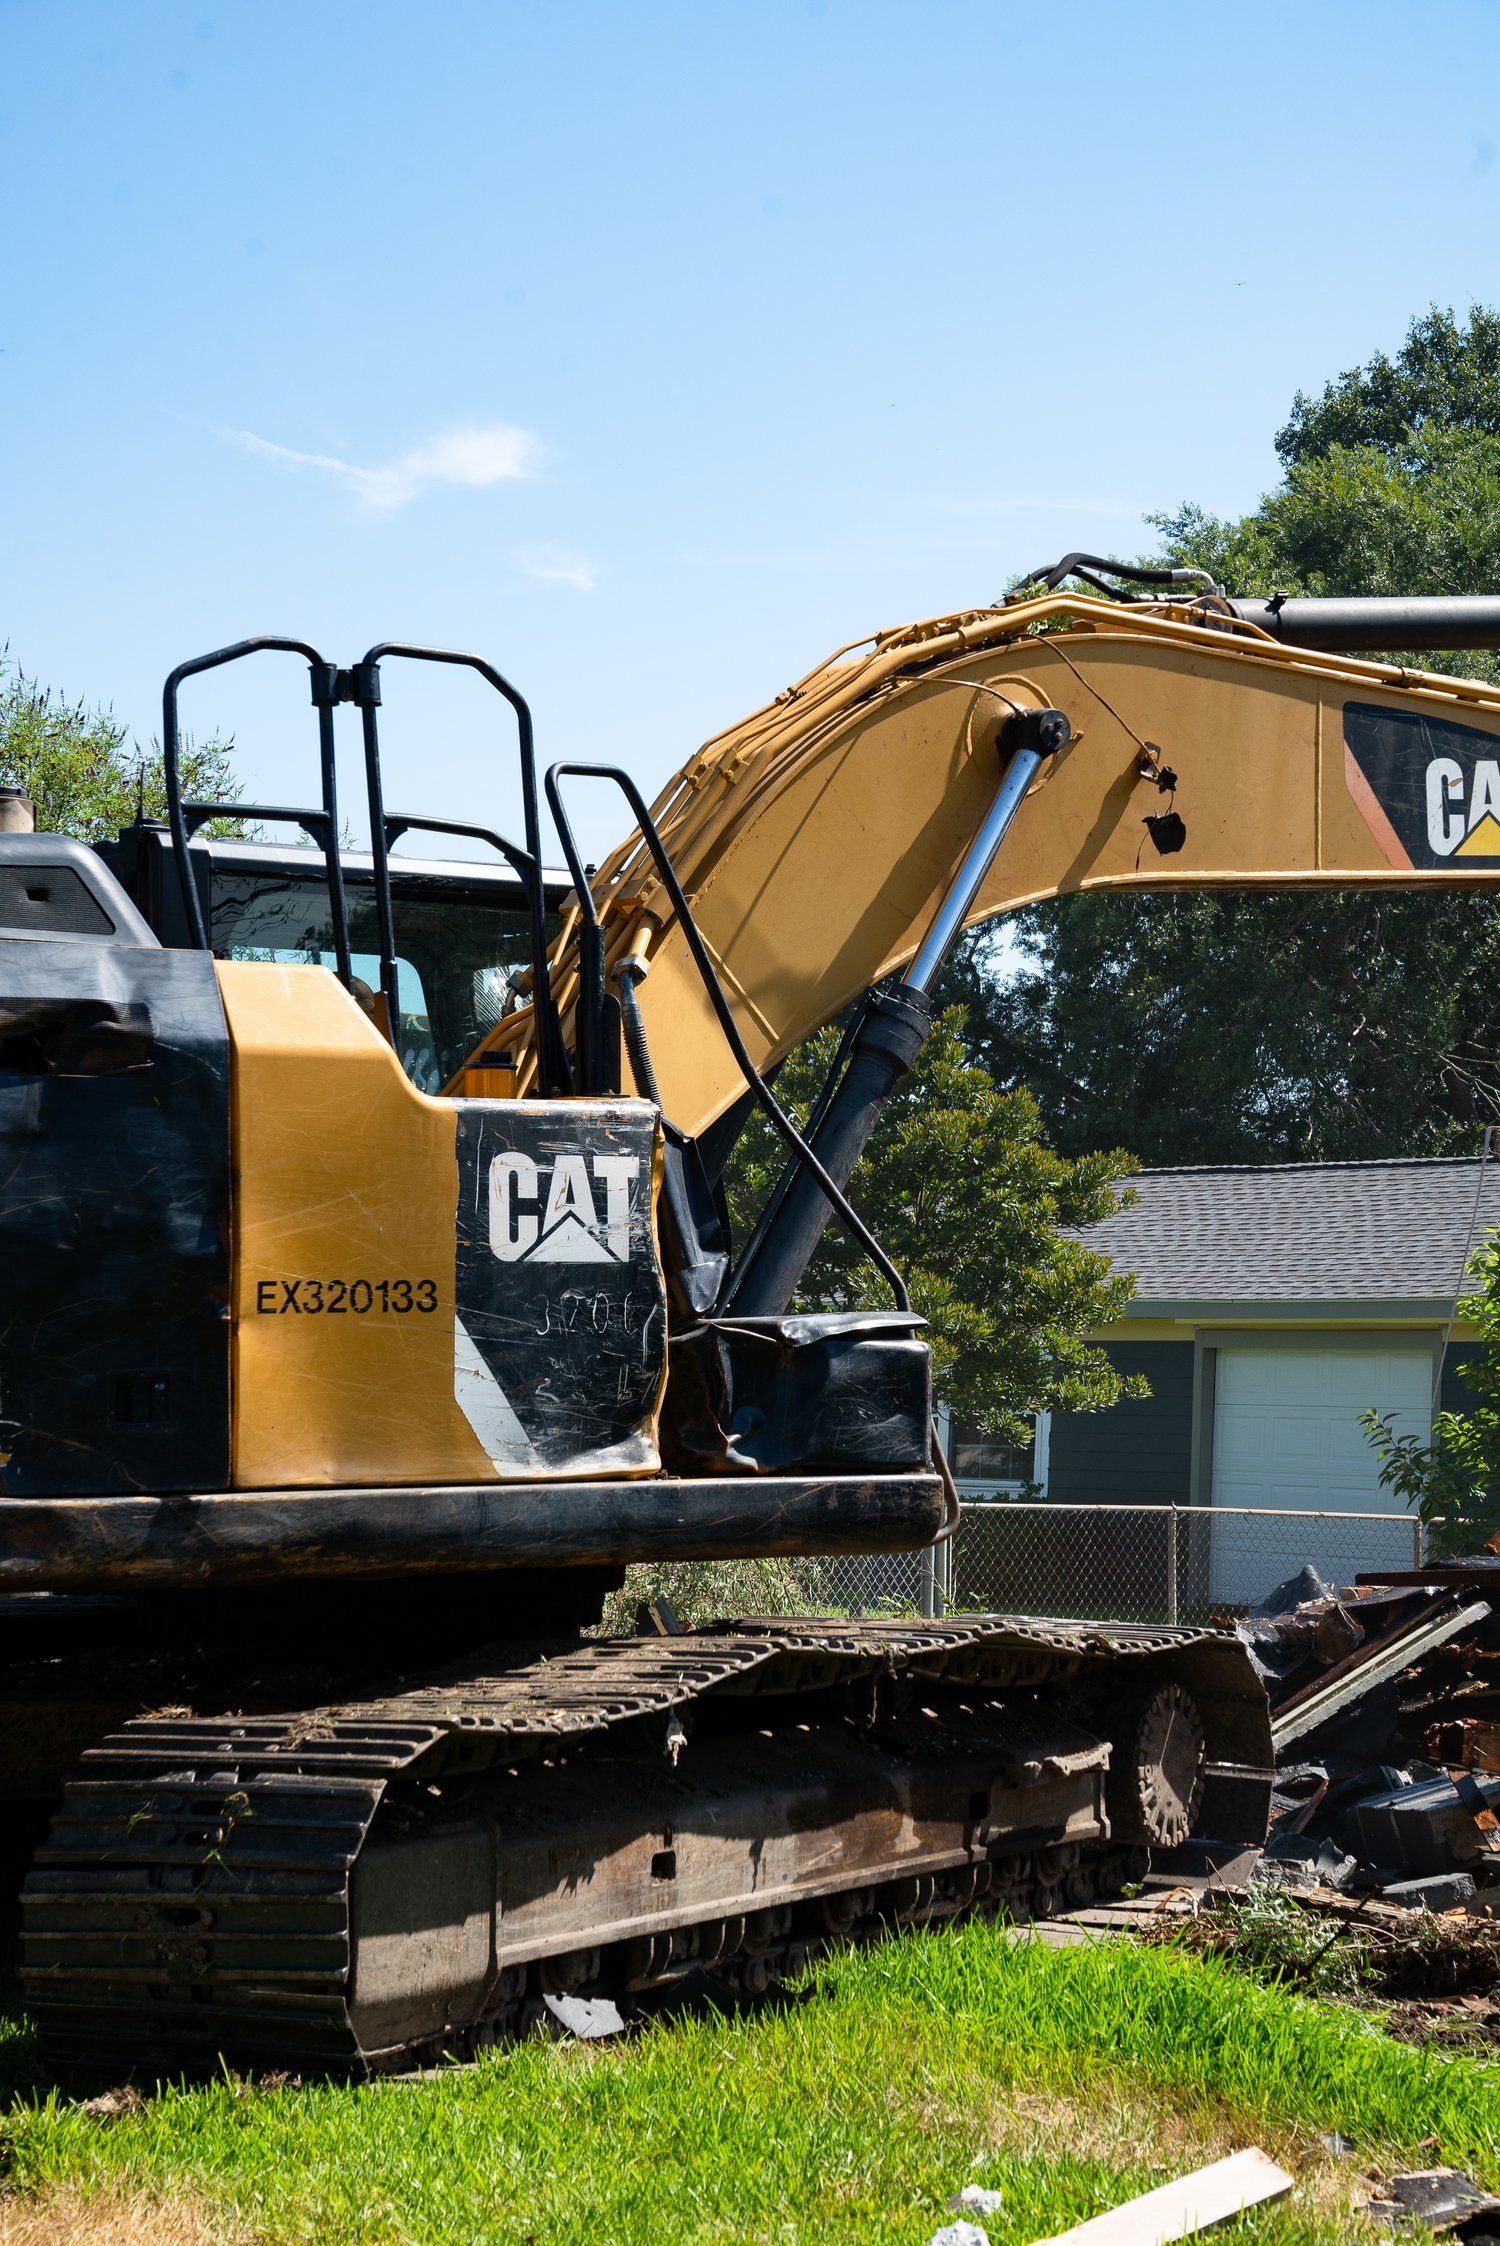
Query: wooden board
{"type": "Point", "coordinates": [1177, 2210]}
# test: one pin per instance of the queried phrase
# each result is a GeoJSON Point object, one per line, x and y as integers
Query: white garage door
{"type": "Point", "coordinates": [1287, 1434]}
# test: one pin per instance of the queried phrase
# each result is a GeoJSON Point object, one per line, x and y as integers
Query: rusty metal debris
{"type": "Point", "coordinates": [1385, 1712]}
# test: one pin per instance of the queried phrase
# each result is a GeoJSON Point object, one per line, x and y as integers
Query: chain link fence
{"type": "Point", "coordinates": [1120, 1563]}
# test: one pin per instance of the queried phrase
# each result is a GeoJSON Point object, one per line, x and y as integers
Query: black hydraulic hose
{"type": "Point", "coordinates": [1084, 565]}
{"type": "Point", "coordinates": [766, 1098]}
{"type": "Point", "coordinates": [952, 1506]}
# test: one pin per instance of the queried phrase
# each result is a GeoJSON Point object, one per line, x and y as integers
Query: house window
{"type": "Point", "coordinates": [980, 1460]}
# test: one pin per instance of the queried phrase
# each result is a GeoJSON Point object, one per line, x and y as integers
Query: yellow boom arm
{"type": "Point", "coordinates": [817, 840]}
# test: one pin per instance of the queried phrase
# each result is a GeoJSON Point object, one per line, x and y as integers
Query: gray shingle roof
{"type": "Point", "coordinates": [1307, 1231]}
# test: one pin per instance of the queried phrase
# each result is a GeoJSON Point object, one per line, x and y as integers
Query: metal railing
{"type": "Point", "coordinates": [1123, 1563]}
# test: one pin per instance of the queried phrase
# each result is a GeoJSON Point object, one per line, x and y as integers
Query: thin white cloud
{"type": "Point", "coordinates": [557, 565]}
{"type": "Point", "coordinates": [1044, 506]}
{"type": "Point", "coordinates": [487, 453]}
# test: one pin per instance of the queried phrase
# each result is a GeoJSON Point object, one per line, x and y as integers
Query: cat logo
{"type": "Point", "coordinates": [566, 1224]}
{"type": "Point", "coordinates": [1428, 790]}
{"type": "Point", "coordinates": [1461, 808]}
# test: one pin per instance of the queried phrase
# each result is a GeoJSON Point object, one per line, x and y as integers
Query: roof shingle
{"type": "Point", "coordinates": [1395, 1230]}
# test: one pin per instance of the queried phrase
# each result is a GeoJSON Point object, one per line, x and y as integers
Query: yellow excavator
{"type": "Point", "coordinates": [370, 1302]}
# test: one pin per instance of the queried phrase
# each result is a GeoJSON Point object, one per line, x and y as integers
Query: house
{"type": "Point", "coordinates": [1272, 1307]}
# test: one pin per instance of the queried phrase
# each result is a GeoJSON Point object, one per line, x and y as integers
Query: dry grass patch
{"type": "Point", "coordinates": [1169, 2137]}
{"type": "Point", "coordinates": [76, 2218]}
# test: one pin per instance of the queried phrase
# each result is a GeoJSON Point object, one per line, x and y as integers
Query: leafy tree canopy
{"type": "Point", "coordinates": [1445, 376]}
{"type": "Point", "coordinates": [961, 1187]}
{"type": "Point", "coordinates": [1210, 1026]}
{"type": "Point", "coordinates": [1200, 1026]}
{"type": "Point", "coordinates": [1361, 519]}
{"type": "Point", "coordinates": [74, 764]}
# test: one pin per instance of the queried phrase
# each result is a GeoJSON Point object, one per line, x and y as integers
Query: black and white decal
{"type": "Point", "coordinates": [580, 1215]}
{"type": "Point", "coordinates": [1429, 789]}
{"type": "Point", "coordinates": [560, 1334]}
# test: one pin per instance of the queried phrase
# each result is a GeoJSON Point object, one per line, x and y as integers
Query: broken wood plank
{"type": "Point", "coordinates": [1176, 2210]}
{"type": "Point", "coordinates": [1479, 1569]}
{"type": "Point", "coordinates": [1316, 1702]}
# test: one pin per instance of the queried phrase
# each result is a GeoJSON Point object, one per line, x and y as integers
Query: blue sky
{"type": "Point", "coordinates": [655, 350]}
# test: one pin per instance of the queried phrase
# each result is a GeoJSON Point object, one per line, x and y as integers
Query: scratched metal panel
{"type": "Point", "coordinates": [561, 1328]}
{"type": "Point", "coordinates": [114, 1220]}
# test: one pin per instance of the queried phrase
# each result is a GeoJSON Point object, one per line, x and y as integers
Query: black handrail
{"type": "Point", "coordinates": [365, 691]}
{"type": "Point", "coordinates": [776, 1114]}
{"type": "Point", "coordinates": [324, 694]}
{"type": "Point", "coordinates": [397, 823]}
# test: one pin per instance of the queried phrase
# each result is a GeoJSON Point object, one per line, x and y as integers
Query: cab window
{"type": "Point", "coordinates": [457, 956]}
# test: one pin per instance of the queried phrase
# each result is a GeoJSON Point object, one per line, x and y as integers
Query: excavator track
{"type": "Point", "coordinates": [357, 1889]}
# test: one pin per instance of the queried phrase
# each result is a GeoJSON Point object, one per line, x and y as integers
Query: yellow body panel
{"type": "Point", "coordinates": [345, 1176]}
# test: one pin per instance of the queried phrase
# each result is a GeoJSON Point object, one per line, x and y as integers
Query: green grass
{"type": "Point", "coordinates": [1068, 2078]}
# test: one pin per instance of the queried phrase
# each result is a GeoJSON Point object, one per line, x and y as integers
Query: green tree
{"type": "Point", "coordinates": [1420, 517]}
{"type": "Point", "coordinates": [74, 764]}
{"type": "Point", "coordinates": [1446, 375]}
{"type": "Point", "coordinates": [1200, 1026]}
{"type": "Point", "coordinates": [1453, 1481]}
{"type": "Point", "coordinates": [961, 1188]}
{"type": "Point", "coordinates": [1248, 1027]}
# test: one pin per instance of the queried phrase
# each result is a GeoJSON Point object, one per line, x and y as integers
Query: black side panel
{"type": "Point", "coordinates": [847, 1392]}
{"type": "Point", "coordinates": [114, 1220]}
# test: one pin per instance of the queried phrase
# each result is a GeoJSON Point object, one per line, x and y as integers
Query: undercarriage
{"type": "Point", "coordinates": [364, 1886]}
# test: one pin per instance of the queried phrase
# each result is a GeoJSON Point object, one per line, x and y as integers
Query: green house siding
{"type": "Point", "coordinates": [1456, 1395]}
{"type": "Point", "coordinates": [1140, 1451]}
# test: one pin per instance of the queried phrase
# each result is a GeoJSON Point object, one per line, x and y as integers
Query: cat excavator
{"type": "Point", "coordinates": [370, 1303]}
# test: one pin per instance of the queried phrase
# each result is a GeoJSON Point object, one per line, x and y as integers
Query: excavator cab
{"type": "Point", "coordinates": [462, 929]}
{"type": "Point", "coordinates": [388, 1268]}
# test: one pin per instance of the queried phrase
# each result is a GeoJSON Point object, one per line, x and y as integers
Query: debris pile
{"type": "Point", "coordinates": [1385, 1706]}
{"type": "Point", "coordinates": [1438, 2199]}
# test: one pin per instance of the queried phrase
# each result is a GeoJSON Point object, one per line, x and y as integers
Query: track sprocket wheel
{"type": "Point", "coordinates": [1156, 1769]}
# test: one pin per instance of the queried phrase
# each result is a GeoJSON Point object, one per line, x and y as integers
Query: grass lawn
{"type": "Point", "coordinates": [1068, 2078]}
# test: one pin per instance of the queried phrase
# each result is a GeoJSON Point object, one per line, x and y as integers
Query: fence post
{"type": "Point", "coordinates": [927, 1581]}
{"type": "Point", "coordinates": [1172, 1564]}
{"type": "Point", "coordinates": [1416, 1541]}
